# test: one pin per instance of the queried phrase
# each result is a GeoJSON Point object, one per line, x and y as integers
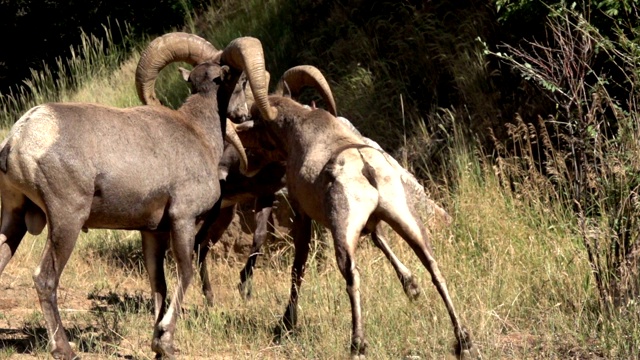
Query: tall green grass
{"type": "Point", "coordinates": [94, 59]}
{"type": "Point", "coordinates": [270, 21]}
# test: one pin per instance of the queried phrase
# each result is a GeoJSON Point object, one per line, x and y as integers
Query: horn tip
{"type": "Point", "coordinates": [272, 113]}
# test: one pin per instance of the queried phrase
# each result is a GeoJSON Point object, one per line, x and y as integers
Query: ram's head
{"type": "Point", "coordinates": [195, 50]}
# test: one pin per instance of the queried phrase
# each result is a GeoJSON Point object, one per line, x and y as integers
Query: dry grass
{"type": "Point", "coordinates": [115, 89]}
{"type": "Point", "coordinates": [515, 276]}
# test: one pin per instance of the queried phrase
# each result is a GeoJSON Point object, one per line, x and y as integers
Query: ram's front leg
{"type": "Point", "coordinates": [182, 240]}
{"type": "Point", "coordinates": [301, 232]}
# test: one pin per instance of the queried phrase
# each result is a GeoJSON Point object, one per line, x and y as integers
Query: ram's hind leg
{"type": "Point", "coordinates": [263, 217]}
{"type": "Point", "coordinates": [346, 227]}
{"type": "Point", "coordinates": [214, 233]}
{"type": "Point", "coordinates": [64, 227]}
{"type": "Point", "coordinates": [409, 284]}
{"type": "Point", "coordinates": [404, 221]}
{"type": "Point", "coordinates": [13, 226]}
{"type": "Point", "coordinates": [301, 232]}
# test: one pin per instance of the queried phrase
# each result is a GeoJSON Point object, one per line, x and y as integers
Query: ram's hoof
{"type": "Point", "coordinates": [470, 354]}
{"type": "Point", "coordinates": [466, 350]}
{"type": "Point", "coordinates": [411, 288]}
{"type": "Point", "coordinates": [162, 345]}
{"type": "Point", "coordinates": [165, 357]}
{"type": "Point", "coordinates": [208, 297]}
{"type": "Point", "coordinates": [64, 353]}
{"type": "Point", "coordinates": [279, 332]}
{"type": "Point", "coordinates": [358, 348]}
{"type": "Point", "coordinates": [245, 290]}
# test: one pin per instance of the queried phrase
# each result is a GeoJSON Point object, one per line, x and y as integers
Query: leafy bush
{"type": "Point", "coordinates": [584, 155]}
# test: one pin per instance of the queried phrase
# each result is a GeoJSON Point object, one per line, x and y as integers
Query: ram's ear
{"type": "Point", "coordinates": [225, 73]}
{"type": "Point", "coordinates": [185, 73]}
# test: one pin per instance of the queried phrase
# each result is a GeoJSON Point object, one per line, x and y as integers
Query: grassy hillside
{"type": "Point", "coordinates": [515, 257]}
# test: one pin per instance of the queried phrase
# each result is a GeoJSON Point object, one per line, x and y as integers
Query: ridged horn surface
{"type": "Point", "coordinates": [232, 137]}
{"type": "Point", "coordinates": [246, 54]}
{"type": "Point", "coordinates": [162, 51]}
{"type": "Point", "coordinates": [307, 75]}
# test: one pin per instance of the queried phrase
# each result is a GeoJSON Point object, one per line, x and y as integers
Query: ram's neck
{"type": "Point", "coordinates": [203, 110]}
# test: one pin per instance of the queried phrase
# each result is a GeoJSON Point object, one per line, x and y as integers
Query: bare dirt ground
{"type": "Point", "coordinates": [87, 313]}
{"type": "Point", "coordinates": [22, 325]}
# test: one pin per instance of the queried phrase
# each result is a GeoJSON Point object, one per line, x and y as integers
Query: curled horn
{"type": "Point", "coordinates": [172, 47]}
{"type": "Point", "coordinates": [232, 137]}
{"type": "Point", "coordinates": [246, 54]}
{"type": "Point", "coordinates": [249, 94]}
{"type": "Point", "coordinates": [300, 76]}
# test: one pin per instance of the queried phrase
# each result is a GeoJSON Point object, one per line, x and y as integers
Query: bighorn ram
{"type": "Point", "coordinates": [336, 179]}
{"type": "Point", "coordinates": [294, 80]}
{"type": "Point", "coordinates": [261, 188]}
{"type": "Point", "coordinates": [72, 166]}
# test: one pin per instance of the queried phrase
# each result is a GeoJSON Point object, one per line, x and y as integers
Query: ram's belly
{"type": "Point", "coordinates": [136, 206]}
{"type": "Point", "coordinates": [131, 212]}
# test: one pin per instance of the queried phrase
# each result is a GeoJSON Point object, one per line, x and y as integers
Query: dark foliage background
{"type": "Point", "coordinates": [35, 32]}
